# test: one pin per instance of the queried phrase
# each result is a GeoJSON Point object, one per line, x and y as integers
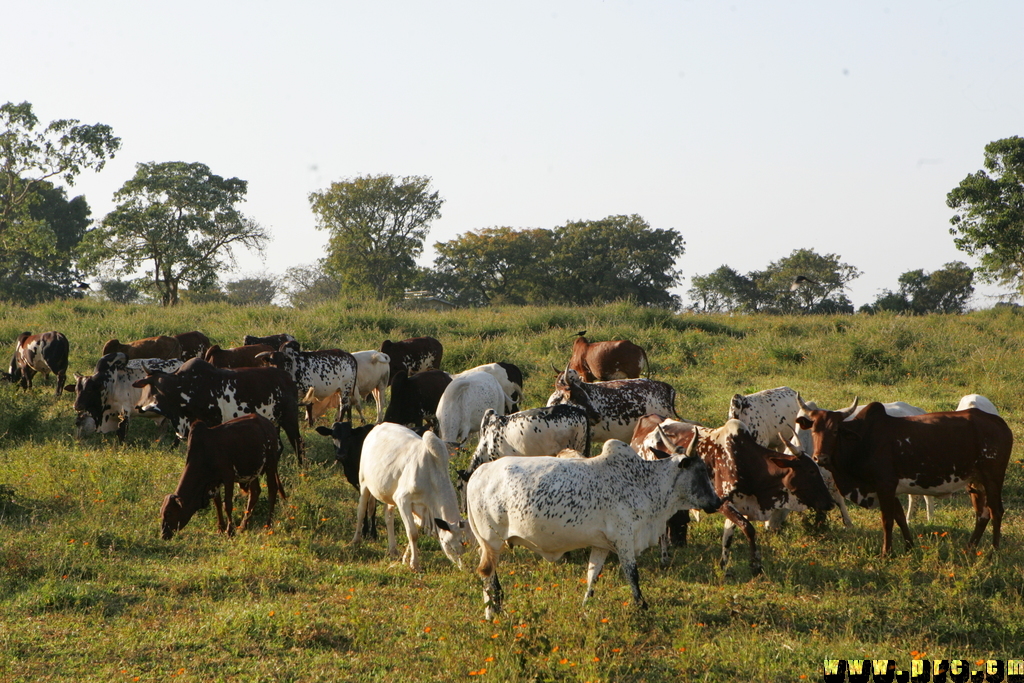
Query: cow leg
{"type": "Point", "coordinates": [411, 531]}
{"type": "Point", "coordinates": [218, 505]}
{"type": "Point", "coordinates": [254, 495]}
{"type": "Point", "coordinates": [389, 521]}
{"type": "Point", "coordinates": [61, 379]}
{"type": "Point", "coordinates": [929, 505]}
{"type": "Point", "coordinates": [309, 414]}
{"type": "Point", "coordinates": [840, 501]}
{"type": "Point", "coordinates": [776, 520]}
{"type": "Point", "coordinates": [361, 507]}
{"type": "Point", "coordinates": [229, 495]}
{"type": "Point", "coordinates": [733, 516]}
{"type": "Point", "coordinates": [596, 564]}
{"type": "Point", "coordinates": [892, 511]}
{"type": "Point", "coordinates": [910, 507]}
{"type": "Point", "coordinates": [632, 574]}
{"type": "Point", "coordinates": [378, 400]}
{"type": "Point", "coordinates": [272, 484]}
{"type": "Point", "coordinates": [981, 516]}
{"type": "Point", "coordinates": [122, 429]}
{"type": "Point", "coordinates": [677, 527]}
{"type": "Point", "coordinates": [370, 520]}
{"type": "Point", "coordinates": [488, 571]}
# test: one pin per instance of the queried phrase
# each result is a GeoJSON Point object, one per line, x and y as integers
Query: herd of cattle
{"type": "Point", "coordinates": [531, 480]}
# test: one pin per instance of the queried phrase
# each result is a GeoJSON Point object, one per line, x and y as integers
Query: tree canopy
{"type": "Point", "coordinates": [946, 290]}
{"type": "Point", "coordinates": [39, 226]}
{"type": "Point", "coordinates": [377, 226]}
{"type": "Point", "coordinates": [178, 220]}
{"type": "Point", "coordinates": [989, 222]}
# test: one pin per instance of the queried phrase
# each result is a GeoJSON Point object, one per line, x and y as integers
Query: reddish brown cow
{"type": "Point", "coordinates": [164, 347]}
{"type": "Point", "coordinates": [238, 450]}
{"type": "Point", "coordinates": [193, 344]}
{"type": "Point", "coordinates": [873, 454]}
{"type": "Point", "coordinates": [238, 357]}
{"type": "Point", "coordinates": [603, 361]}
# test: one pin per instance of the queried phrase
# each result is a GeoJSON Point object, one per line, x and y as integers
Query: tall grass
{"type": "Point", "coordinates": [88, 591]}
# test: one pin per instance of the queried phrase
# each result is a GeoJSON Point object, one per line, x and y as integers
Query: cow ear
{"type": "Point", "coordinates": [660, 454]}
{"type": "Point", "coordinates": [441, 524]}
{"type": "Point", "coordinates": [323, 430]}
{"type": "Point", "coordinates": [804, 422]}
{"type": "Point", "coordinates": [783, 461]}
{"type": "Point", "coordinates": [70, 388]}
{"type": "Point", "coordinates": [463, 474]}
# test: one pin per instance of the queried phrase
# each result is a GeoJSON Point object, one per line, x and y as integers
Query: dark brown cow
{"type": "Point", "coordinates": [414, 398]}
{"type": "Point", "coordinates": [874, 454]}
{"type": "Point", "coordinates": [45, 353]}
{"type": "Point", "coordinates": [602, 361]}
{"type": "Point", "coordinates": [274, 340]}
{"type": "Point", "coordinates": [348, 451]}
{"type": "Point", "coordinates": [238, 357]}
{"type": "Point", "coordinates": [164, 347]}
{"type": "Point", "coordinates": [413, 355]}
{"type": "Point", "coordinates": [238, 450]}
{"type": "Point", "coordinates": [753, 480]}
{"type": "Point", "coordinates": [193, 344]}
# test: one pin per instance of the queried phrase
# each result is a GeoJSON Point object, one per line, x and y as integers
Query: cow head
{"type": "Point", "coordinates": [824, 426]}
{"type": "Point", "coordinates": [348, 447]}
{"type": "Point", "coordinates": [802, 478]}
{"type": "Point", "coordinates": [176, 512]}
{"type": "Point", "coordinates": [161, 395]}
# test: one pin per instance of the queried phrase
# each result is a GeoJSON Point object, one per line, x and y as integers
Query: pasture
{"type": "Point", "coordinates": [89, 592]}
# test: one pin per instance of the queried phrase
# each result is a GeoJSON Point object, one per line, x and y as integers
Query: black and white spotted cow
{"type": "Point", "coordinates": [44, 353]}
{"type": "Point", "coordinates": [766, 414]}
{"type": "Point", "coordinates": [540, 431]}
{"type": "Point", "coordinates": [106, 400]}
{"type": "Point", "coordinates": [614, 407]}
{"type": "Point", "coordinates": [199, 391]}
{"type": "Point", "coordinates": [614, 502]}
{"type": "Point", "coordinates": [509, 376]}
{"type": "Point", "coordinates": [317, 375]}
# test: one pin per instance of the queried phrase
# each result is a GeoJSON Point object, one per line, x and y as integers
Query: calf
{"type": "Point", "coordinates": [239, 450]}
{"type": "Point", "coordinates": [274, 340]}
{"type": "Point", "coordinates": [348, 450]}
{"type": "Point", "coordinates": [614, 407]}
{"type": "Point", "coordinates": [317, 375]}
{"type": "Point", "coordinates": [874, 455]}
{"type": "Point", "coordinates": [607, 360]}
{"type": "Point", "coordinates": [614, 502]}
{"type": "Point", "coordinates": [413, 355]}
{"type": "Point", "coordinates": [238, 357]}
{"type": "Point", "coordinates": [193, 344]}
{"type": "Point", "coordinates": [373, 372]}
{"type": "Point", "coordinates": [164, 347]}
{"type": "Point", "coordinates": [44, 353]}
{"type": "Point", "coordinates": [106, 400]}
{"type": "Point", "coordinates": [509, 376]}
{"type": "Point", "coordinates": [414, 398]}
{"type": "Point", "coordinates": [410, 473]}
{"type": "Point", "coordinates": [464, 403]}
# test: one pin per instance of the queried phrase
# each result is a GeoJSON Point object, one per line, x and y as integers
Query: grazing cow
{"type": "Point", "coordinates": [106, 400]}
{"type": "Point", "coordinates": [193, 344]}
{"type": "Point", "coordinates": [873, 456]}
{"type": "Point", "coordinates": [614, 502]}
{"type": "Point", "coordinates": [164, 347]}
{"type": "Point", "coordinates": [540, 431]}
{"type": "Point", "coordinates": [317, 375]}
{"type": "Point", "coordinates": [274, 340]}
{"type": "Point", "coordinates": [238, 357]}
{"type": "Point", "coordinates": [754, 481]}
{"type": "Point", "coordinates": [44, 353]}
{"type": "Point", "coordinates": [373, 371]}
{"type": "Point", "coordinates": [614, 407]}
{"type": "Point", "coordinates": [348, 450]}
{"type": "Point", "coordinates": [410, 473]}
{"type": "Point", "coordinates": [464, 403]}
{"type": "Point", "coordinates": [414, 398]}
{"type": "Point", "coordinates": [238, 450]}
{"type": "Point", "coordinates": [413, 355]}
{"type": "Point", "coordinates": [603, 361]}
{"type": "Point", "coordinates": [509, 376]}
{"type": "Point", "coordinates": [199, 391]}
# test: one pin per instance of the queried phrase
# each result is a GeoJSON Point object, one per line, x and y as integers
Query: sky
{"type": "Point", "coordinates": [752, 128]}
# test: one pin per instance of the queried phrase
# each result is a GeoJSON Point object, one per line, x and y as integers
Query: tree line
{"type": "Point", "coordinates": [176, 226]}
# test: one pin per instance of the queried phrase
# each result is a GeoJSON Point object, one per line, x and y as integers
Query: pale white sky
{"type": "Point", "coordinates": [753, 128]}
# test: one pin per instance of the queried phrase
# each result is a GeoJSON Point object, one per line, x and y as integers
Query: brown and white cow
{"type": "Point", "coordinates": [44, 353]}
{"type": "Point", "coordinates": [199, 391]}
{"type": "Point", "coordinates": [162, 346]}
{"type": "Point", "coordinates": [415, 354]}
{"type": "Point", "coordinates": [318, 375]}
{"type": "Point", "coordinates": [874, 455]}
{"type": "Point", "coordinates": [193, 344]}
{"type": "Point", "coordinates": [238, 357]}
{"type": "Point", "coordinates": [239, 450]}
{"type": "Point", "coordinates": [606, 360]}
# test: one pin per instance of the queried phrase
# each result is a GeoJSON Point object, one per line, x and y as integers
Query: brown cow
{"type": "Point", "coordinates": [44, 353]}
{"type": "Point", "coordinates": [874, 456]}
{"type": "Point", "coordinates": [602, 361]}
{"type": "Point", "coordinates": [164, 347]}
{"type": "Point", "coordinates": [413, 355]}
{"type": "Point", "coordinates": [237, 450]}
{"type": "Point", "coordinates": [193, 344]}
{"type": "Point", "coordinates": [238, 357]}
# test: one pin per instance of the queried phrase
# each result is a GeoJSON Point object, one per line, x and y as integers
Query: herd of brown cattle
{"type": "Point", "coordinates": [867, 456]}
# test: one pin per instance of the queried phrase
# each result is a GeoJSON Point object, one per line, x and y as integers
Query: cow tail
{"type": "Point", "coordinates": [279, 486]}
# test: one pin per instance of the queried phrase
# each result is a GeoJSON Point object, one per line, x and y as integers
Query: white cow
{"type": "Point", "coordinates": [373, 372]}
{"type": "Point", "coordinates": [410, 473]}
{"type": "Point", "coordinates": [509, 376]}
{"type": "Point", "coordinates": [977, 401]}
{"type": "Point", "coordinates": [464, 403]}
{"type": "Point", "coordinates": [539, 431]}
{"type": "Point", "coordinates": [615, 502]}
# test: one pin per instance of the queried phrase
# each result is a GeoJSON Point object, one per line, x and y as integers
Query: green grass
{"type": "Point", "coordinates": [88, 591]}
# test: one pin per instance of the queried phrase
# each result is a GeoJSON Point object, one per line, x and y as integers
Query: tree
{"type": "Point", "coordinates": [258, 290]}
{"type": "Point", "coordinates": [946, 290]}
{"type": "Point", "coordinates": [180, 219]}
{"type": "Point", "coordinates": [377, 226]}
{"type": "Point", "coordinates": [493, 266]}
{"type": "Point", "coordinates": [617, 257]}
{"type": "Point", "coordinates": [989, 222]}
{"type": "Point", "coordinates": [722, 290]}
{"type": "Point", "coordinates": [309, 285]}
{"type": "Point", "coordinates": [38, 225]}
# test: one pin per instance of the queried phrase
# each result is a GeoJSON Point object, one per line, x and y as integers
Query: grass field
{"type": "Point", "coordinates": [89, 592]}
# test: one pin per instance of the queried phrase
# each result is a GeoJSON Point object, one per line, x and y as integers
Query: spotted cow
{"type": "Point", "coordinates": [44, 353]}
{"type": "Point", "coordinates": [317, 375]}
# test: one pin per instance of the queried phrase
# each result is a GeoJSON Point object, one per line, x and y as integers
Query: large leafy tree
{"type": "Point", "coordinates": [180, 222]}
{"type": "Point", "coordinates": [378, 224]}
{"type": "Point", "coordinates": [722, 290]}
{"type": "Point", "coordinates": [946, 290]}
{"type": "Point", "coordinates": [39, 227]}
{"type": "Point", "coordinates": [989, 219]}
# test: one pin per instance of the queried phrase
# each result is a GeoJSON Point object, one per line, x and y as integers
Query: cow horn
{"type": "Point", "coordinates": [692, 448]}
{"type": "Point", "coordinates": [800, 400]}
{"type": "Point", "coordinates": [847, 412]}
{"type": "Point", "coordinates": [793, 448]}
